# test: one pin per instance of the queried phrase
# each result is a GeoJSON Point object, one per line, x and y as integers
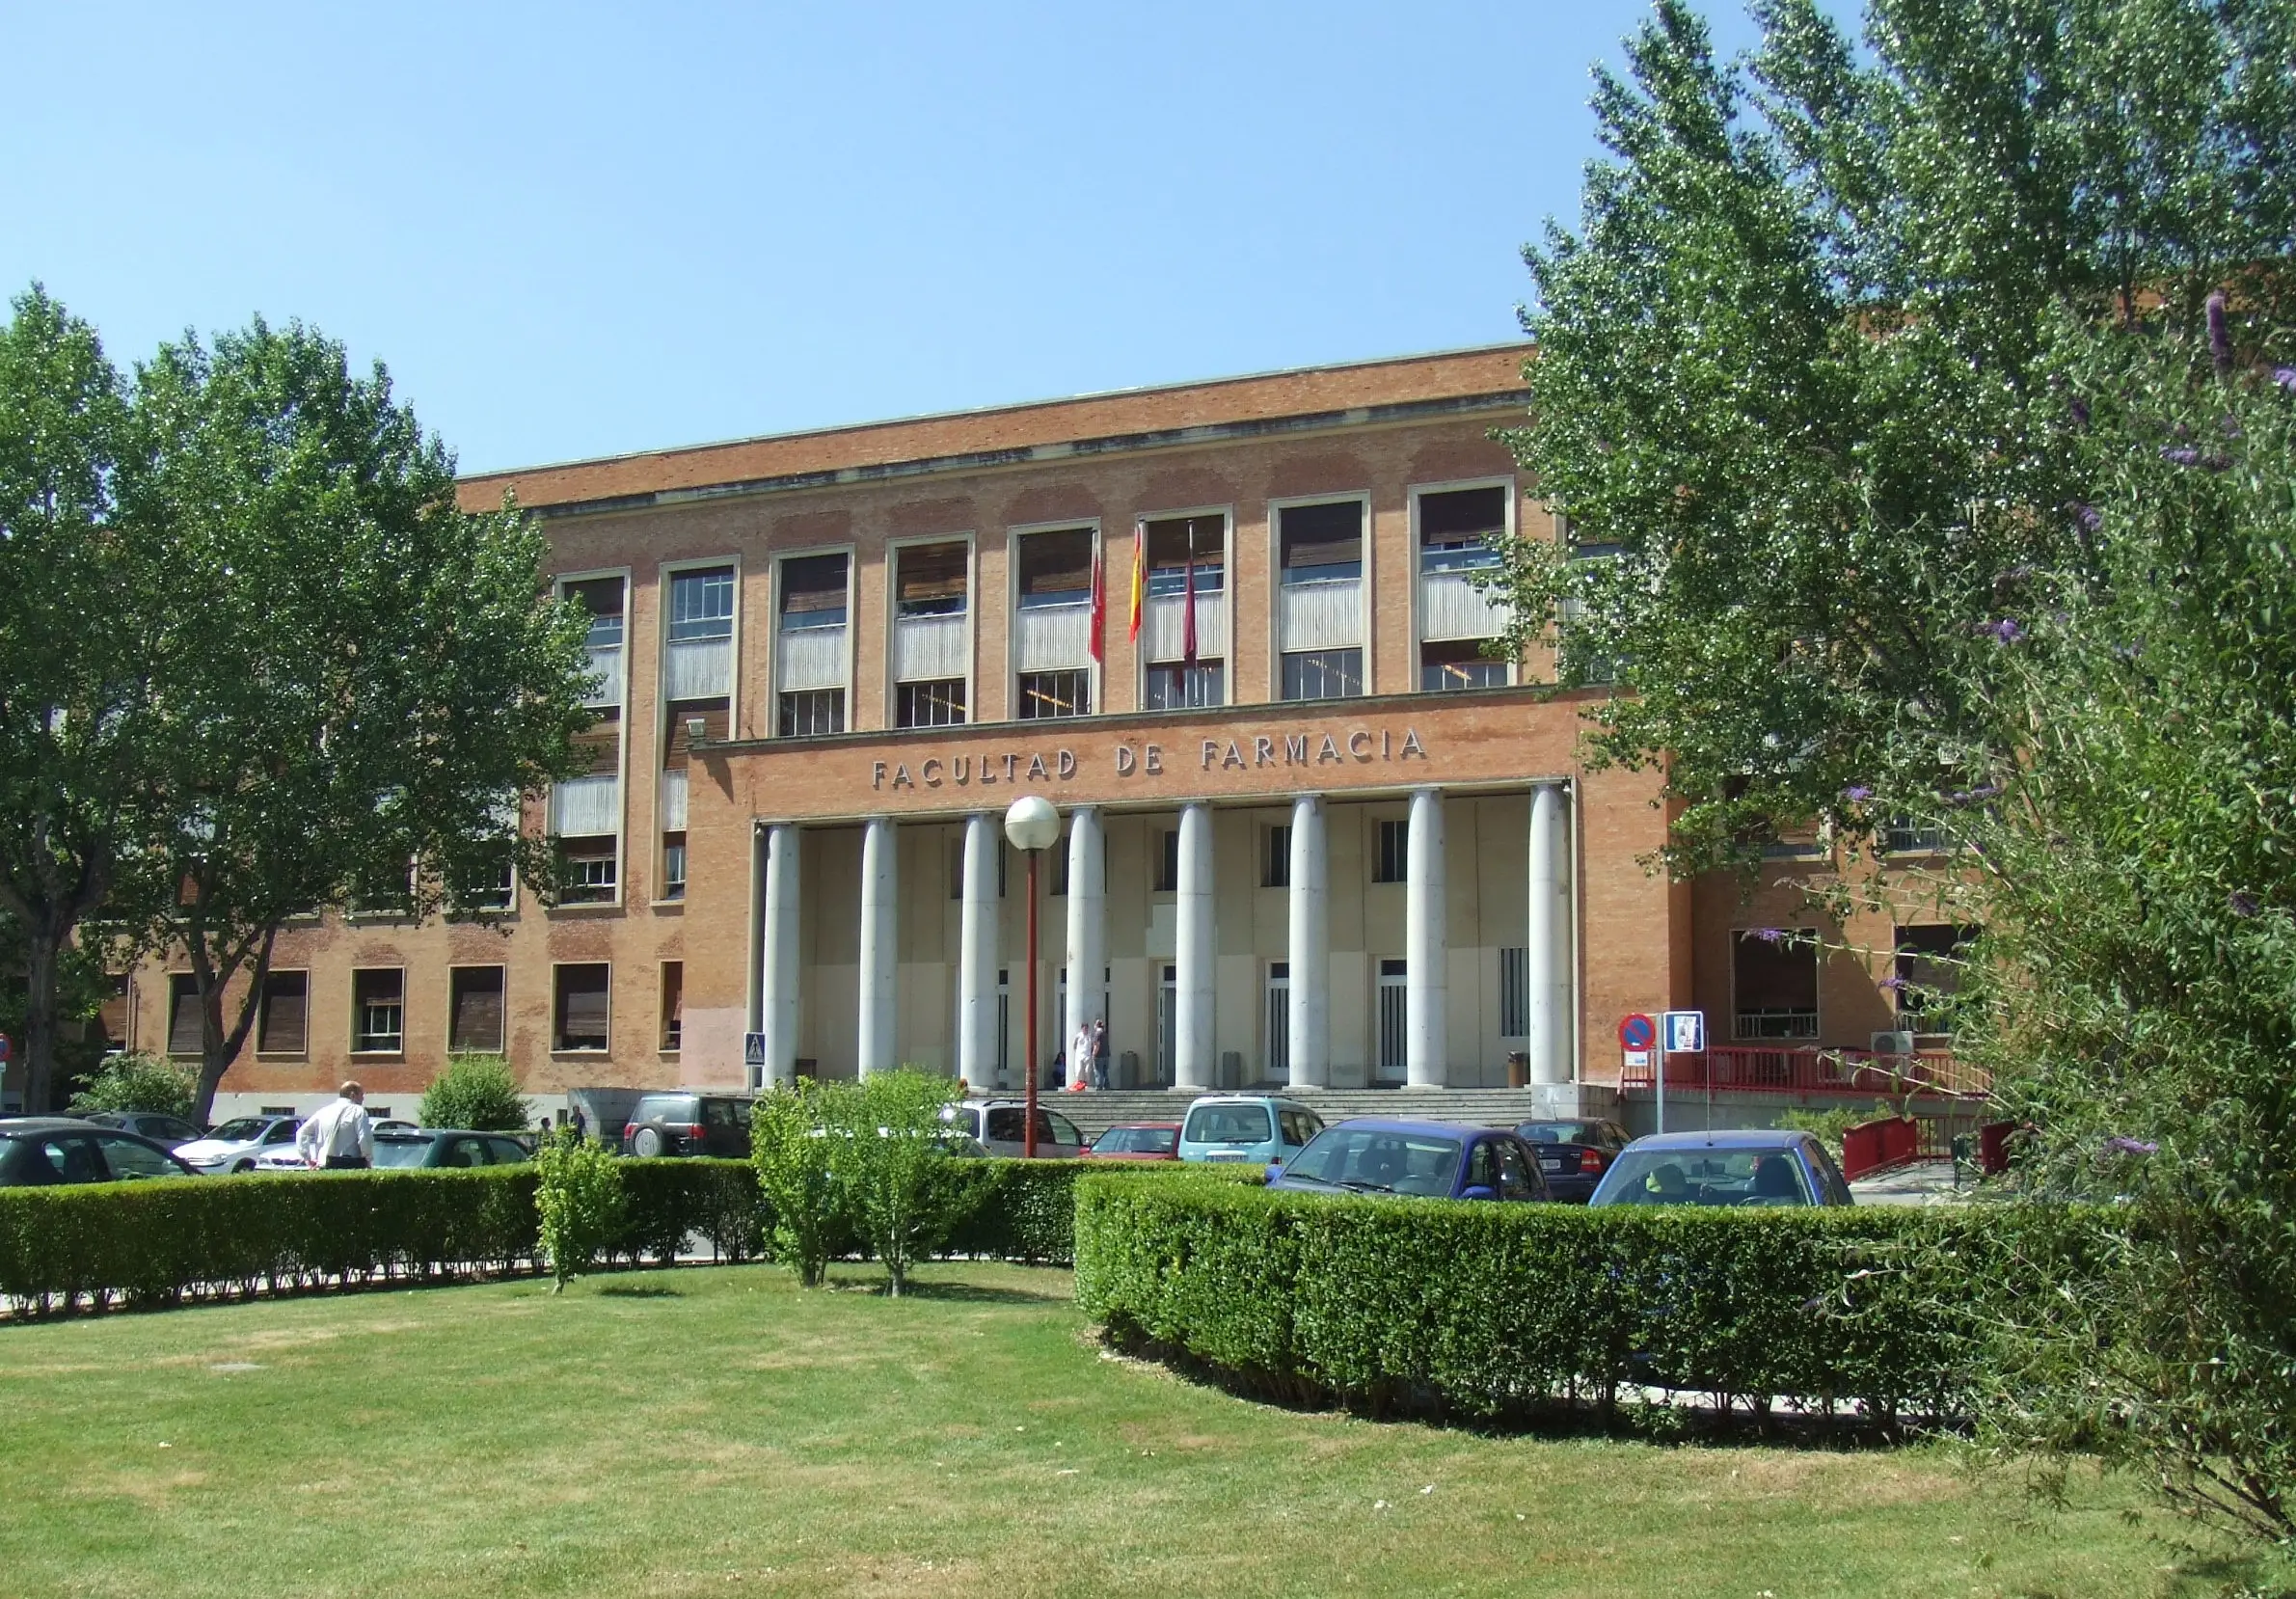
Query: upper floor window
{"type": "Point", "coordinates": [1061, 694]}
{"type": "Point", "coordinates": [701, 604]}
{"type": "Point", "coordinates": [602, 598]}
{"type": "Point", "coordinates": [813, 592]}
{"type": "Point", "coordinates": [1459, 529]}
{"type": "Point", "coordinates": [930, 580]}
{"type": "Point", "coordinates": [1321, 543]}
{"type": "Point", "coordinates": [1187, 552]}
{"type": "Point", "coordinates": [1056, 568]}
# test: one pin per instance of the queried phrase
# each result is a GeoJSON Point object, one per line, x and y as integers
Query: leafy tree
{"type": "Point", "coordinates": [478, 1092]}
{"type": "Point", "coordinates": [365, 682]}
{"type": "Point", "coordinates": [136, 1082]}
{"type": "Point", "coordinates": [890, 1163]}
{"type": "Point", "coordinates": [80, 651]}
{"type": "Point", "coordinates": [789, 1149]}
{"type": "Point", "coordinates": [1797, 368]}
{"type": "Point", "coordinates": [578, 1201]}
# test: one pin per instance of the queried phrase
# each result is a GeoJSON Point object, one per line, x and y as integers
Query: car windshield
{"type": "Point", "coordinates": [1379, 1160]}
{"type": "Point", "coordinates": [401, 1152]}
{"type": "Point", "coordinates": [1229, 1124]}
{"type": "Point", "coordinates": [1557, 1132]}
{"type": "Point", "coordinates": [1137, 1141]}
{"type": "Point", "coordinates": [1757, 1177]}
{"type": "Point", "coordinates": [242, 1129]}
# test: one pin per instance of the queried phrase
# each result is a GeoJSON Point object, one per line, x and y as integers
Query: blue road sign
{"type": "Point", "coordinates": [753, 1048]}
{"type": "Point", "coordinates": [1686, 1032]}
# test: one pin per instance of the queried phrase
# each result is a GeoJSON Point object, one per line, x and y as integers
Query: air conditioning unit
{"type": "Point", "coordinates": [1893, 1044]}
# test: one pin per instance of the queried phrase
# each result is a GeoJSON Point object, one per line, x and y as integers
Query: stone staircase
{"type": "Point", "coordinates": [1096, 1112]}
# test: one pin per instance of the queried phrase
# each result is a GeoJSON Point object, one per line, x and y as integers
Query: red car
{"type": "Point", "coordinates": [1138, 1141]}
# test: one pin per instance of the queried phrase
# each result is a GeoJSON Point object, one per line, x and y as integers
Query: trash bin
{"type": "Point", "coordinates": [1128, 1070]}
{"type": "Point", "coordinates": [1517, 1068]}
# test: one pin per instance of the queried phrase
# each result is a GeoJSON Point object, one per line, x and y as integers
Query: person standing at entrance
{"type": "Point", "coordinates": [1099, 1053]}
{"type": "Point", "coordinates": [341, 1136]}
{"type": "Point", "coordinates": [1080, 1058]}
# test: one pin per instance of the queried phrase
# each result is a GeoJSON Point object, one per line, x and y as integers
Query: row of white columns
{"type": "Point", "coordinates": [773, 1009]}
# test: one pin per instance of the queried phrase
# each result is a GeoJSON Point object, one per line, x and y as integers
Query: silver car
{"type": "Point", "coordinates": [238, 1144]}
{"type": "Point", "coordinates": [1000, 1127]}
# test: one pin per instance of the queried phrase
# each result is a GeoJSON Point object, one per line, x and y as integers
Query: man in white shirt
{"type": "Point", "coordinates": [341, 1136]}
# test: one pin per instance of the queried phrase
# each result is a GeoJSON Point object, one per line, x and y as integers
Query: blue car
{"type": "Point", "coordinates": [1429, 1159]}
{"type": "Point", "coordinates": [1754, 1168]}
{"type": "Point", "coordinates": [1247, 1128]}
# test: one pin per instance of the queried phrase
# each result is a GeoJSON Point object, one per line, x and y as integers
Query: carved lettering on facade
{"type": "Point", "coordinates": [1126, 760]}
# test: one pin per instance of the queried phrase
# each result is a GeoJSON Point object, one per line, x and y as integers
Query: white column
{"type": "Point", "coordinates": [777, 975]}
{"type": "Point", "coordinates": [1308, 953]}
{"type": "Point", "coordinates": [1195, 951]}
{"type": "Point", "coordinates": [881, 888]}
{"type": "Point", "coordinates": [1547, 960]}
{"type": "Point", "coordinates": [1424, 945]}
{"type": "Point", "coordinates": [1088, 926]}
{"type": "Point", "coordinates": [977, 954]}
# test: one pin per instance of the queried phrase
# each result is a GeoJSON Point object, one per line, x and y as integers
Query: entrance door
{"type": "Point", "coordinates": [1392, 979]}
{"type": "Point", "coordinates": [1277, 1066]}
{"type": "Point", "coordinates": [1168, 1027]}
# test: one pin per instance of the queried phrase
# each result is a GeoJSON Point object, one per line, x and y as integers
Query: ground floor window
{"type": "Point", "coordinates": [1062, 694]}
{"type": "Point", "coordinates": [1390, 857]}
{"type": "Point", "coordinates": [474, 1011]}
{"type": "Point", "coordinates": [1275, 855]}
{"type": "Point", "coordinates": [1177, 685]}
{"type": "Point", "coordinates": [1459, 663]}
{"type": "Point", "coordinates": [1514, 992]}
{"type": "Point", "coordinates": [1323, 674]}
{"type": "Point", "coordinates": [378, 1012]}
{"type": "Point", "coordinates": [1928, 976]}
{"type": "Point", "coordinates": [807, 713]}
{"type": "Point", "coordinates": [185, 1032]}
{"type": "Point", "coordinates": [580, 1009]}
{"type": "Point", "coordinates": [939, 704]}
{"type": "Point", "coordinates": [1774, 976]}
{"type": "Point", "coordinates": [282, 1020]}
{"type": "Point", "coordinates": [673, 1005]}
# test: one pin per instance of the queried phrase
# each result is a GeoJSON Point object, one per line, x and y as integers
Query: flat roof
{"type": "Point", "coordinates": [1012, 432]}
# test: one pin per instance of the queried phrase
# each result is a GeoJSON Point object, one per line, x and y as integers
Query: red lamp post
{"type": "Point", "coordinates": [1032, 824]}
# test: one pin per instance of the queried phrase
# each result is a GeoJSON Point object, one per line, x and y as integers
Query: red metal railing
{"type": "Point", "coordinates": [1843, 1071]}
{"type": "Point", "coordinates": [1877, 1145]}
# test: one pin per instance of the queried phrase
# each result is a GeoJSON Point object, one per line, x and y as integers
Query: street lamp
{"type": "Point", "coordinates": [1032, 824]}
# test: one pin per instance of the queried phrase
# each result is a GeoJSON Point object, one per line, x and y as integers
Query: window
{"type": "Point", "coordinates": [602, 598]}
{"type": "Point", "coordinates": [1905, 835]}
{"type": "Point", "coordinates": [1056, 872]}
{"type": "Point", "coordinates": [1929, 975]}
{"type": "Point", "coordinates": [578, 1010]}
{"type": "Point", "coordinates": [1321, 543]}
{"type": "Point", "coordinates": [930, 580]}
{"type": "Point", "coordinates": [673, 866]}
{"type": "Point", "coordinates": [956, 863]}
{"type": "Point", "coordinates": [1056, 568]}
{"type": "Point", "coordinates": [185, 1032]}
{"type": "Point", "coordinates": [701, 604]}
{"type": "Point", "coordinates": [474, 1011]}
{"type": "Point", "coordinates": [282, 1022]}
{"type": "Point", "coordinates": [1187, 687]}
{"type": "Point", "coordinates": [1774, 983]}
{"type": "Point", "coordinates": [1514, 992]}
{"type": "Point", "coordinates": [1168, 861]}
{"type": "Point", "coordinates": [590, 876]}
{"type": "Point", "coordinates": [1460, 664]}
{"type": "Point", "coordinates": [939, 704]}
{"type": "Point", "coordinates": [498, 890]}
{"type": "Point", "coordinates": [813, 592]}
{"type": "Point", "coordinates": [1062, 694]}
{"type": "Point", "coordinates": [117, 1013]}
{"type": "Point", "coordinates": [1185, 547]}
{"type": "Point", "coordinates": [1459, 529]}
{"type": "Point", "coordinates": [1391, 860]}
{"type": "Point", "coordinates": [601, 744]}
{"type": "Point", "coordinates": [1275, 855]}
{"type": "Point", "coordinates": [809, 712]}
{"type": "Point", "coordinates": [378, 1014]}
{"type": "Point", "coordinates": [1323, 674]}
{"type": "Point", "coordinates": [673, 1005]}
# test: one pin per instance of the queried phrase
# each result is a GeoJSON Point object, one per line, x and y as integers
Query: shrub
{"type": "Point", "coordinates": [1487, 1309]}
{"type": "Point", "coordinates": [137, 1082]}
{"type": "Point", "coordinates": [578, 1201]}
{"type": "Point", "coordinates": [789, 1153]}
{"type": "Point", "coordinates": [890, 1167]}
{"type": "Point", "coordinates": [478, 1092]}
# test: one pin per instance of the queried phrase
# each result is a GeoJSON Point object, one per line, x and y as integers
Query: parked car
{"type": "Point", "coordinates": [1573, 1155]}
{"type": "Point", "coordinates": [1753, 1167]}
{"type": "Point", "coordinates": [45, 1151]}
{"type": "Point", "coordinates": [1138, 1141]}
{"type": "Point", "coordinates": [237, 1145]}
{"type": "Point", "coordinates": [156, 1126]}
{"type": "Point", "coordinates": [425, 1148]}
{"type": "Point", "coordinates": [1000, 1127]}
{"type": "Point", "coordinates": [1251, 1127]}
{"type": "Point", "coordinates": [1368, 1155]}
{"type": "Point", "coordinates": [688, 1123]}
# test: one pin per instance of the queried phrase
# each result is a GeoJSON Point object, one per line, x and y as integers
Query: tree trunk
{"type": "Point", "coordinates": [219, 1047]}
{"type": "Point", "coordinates": [40, 1023]}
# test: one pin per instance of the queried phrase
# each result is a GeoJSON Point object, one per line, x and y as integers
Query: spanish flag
{"type": "Point", "coordinates": [1138, 577]}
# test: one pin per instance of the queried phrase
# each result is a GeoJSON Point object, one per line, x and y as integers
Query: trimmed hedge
{"type": "Point", "coordinates": [161, 1244]}
{"type": "Point", "coordinates": [1486, 1310]}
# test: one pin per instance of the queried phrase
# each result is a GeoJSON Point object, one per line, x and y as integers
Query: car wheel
{"type": "Point", "coordinates": [244, 1166]}
{"type": "Point", "coordinates": [647, 1141]}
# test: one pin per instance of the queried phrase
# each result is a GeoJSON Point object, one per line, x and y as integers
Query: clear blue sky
{"type": "Point", "coordinates": [573, 231]}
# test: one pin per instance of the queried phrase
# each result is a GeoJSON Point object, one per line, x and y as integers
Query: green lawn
{"type": "Point", "coordinates": [718, 1431]}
